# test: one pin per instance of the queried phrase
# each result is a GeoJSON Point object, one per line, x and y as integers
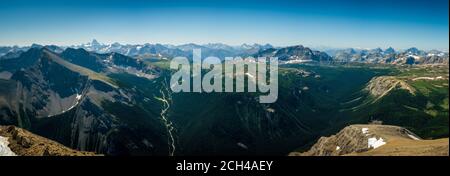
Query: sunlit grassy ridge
{"type": "Point", "coordinates": [84, 71]}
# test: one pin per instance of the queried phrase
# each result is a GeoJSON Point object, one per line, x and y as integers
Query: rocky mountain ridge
{"type": "Point", "coordinates": [409, 56]}
{"type": "Point", "coordinates": [51, 89]}
{"type": "Point", "coordinates": [375, 139]}
{"type": "Point", "coordinates": [20, 142]}
{"type": "Point", "coordinates": [289, 54]}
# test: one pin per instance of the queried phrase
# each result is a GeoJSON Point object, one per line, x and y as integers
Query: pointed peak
{"type": "Point", "coordinates": [35, 45]}
{"type": "Point", "coordinates": [95, 42]}
{"type": "Point", "coordinates": [267, 45]}
{"type": "Point", "coordinates": [298, 46]}
{"type": "Point", "coordinates": [389, 50]}
{"type": "Point", "coordinates": [412, 49]}
{"type": "Point", "coordinates": [377, 50]}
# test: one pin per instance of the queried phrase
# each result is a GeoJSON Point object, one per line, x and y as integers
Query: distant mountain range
{"type": "Point", "coordinates": [163, 50]}
{"type": "Point", "coordinates": [291, 54]}
{"type": "Point", "coordinates": [409, 56]}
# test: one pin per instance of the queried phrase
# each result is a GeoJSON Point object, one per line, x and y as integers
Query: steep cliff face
{"type": "Point", "coordinates": [20, 142]}
{"type": "Point", "coordinates": [382, 85]}
{"type": "Point", "coordinates": [63, 102]}
{"type": "Point", "coordinates": [375, 140]}
{"type": "Point", "coordinates": [51, 87]}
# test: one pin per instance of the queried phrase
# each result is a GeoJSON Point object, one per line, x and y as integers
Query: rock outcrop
{"type": "Point", "coordinates": [376, 140]}
{"type": "Point", "coordinates": [24, 143]}
{"type": "Point", "coordinates": [382, 85]}
{"type": "Point", "coordinates": [295, 53]}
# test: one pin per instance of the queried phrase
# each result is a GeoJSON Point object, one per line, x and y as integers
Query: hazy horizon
{"type": "Point", "coordinates": [320, 48]}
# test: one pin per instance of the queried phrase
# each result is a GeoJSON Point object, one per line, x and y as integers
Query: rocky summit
{"type": "Point", "coordinates": [20, 142]}
{"type": "Point", "coordinates": [375, 139]}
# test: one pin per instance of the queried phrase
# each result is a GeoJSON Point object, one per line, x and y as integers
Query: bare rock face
{"type": "Point", "coordinates": [411, 56]}
{"type": "Point", "coordinates": [51, 88]}
{"type": "Point", "coordinates": [380, 86]}
{"type": "Point", "coordinates": [375, 140]}
{"type": "Point", "coordinates": [24, 143]}
{"type": "Point", "coordinates": [298, 52]}
{"type": "Point", "coordinates": [351, 139]}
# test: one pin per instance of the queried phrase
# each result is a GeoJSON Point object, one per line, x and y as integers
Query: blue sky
{"type": "Point", "coordinates": [339, 23]}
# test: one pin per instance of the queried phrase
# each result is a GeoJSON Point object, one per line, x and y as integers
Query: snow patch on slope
{"type": "Point", "coordinates": [365, 130]}
{"type": "Point", "coordinates": [413, 137]}
{"type": "Point", "coordinates": [77, 101]}
{"type": "Point", "coordinates": [375, 143]}
{"type": "Point", "coordinates": [4, 149]}
{"type": "Point", "coordinates": [78, 98]}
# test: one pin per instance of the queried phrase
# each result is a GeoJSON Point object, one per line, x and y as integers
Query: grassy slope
{"type": "Point", "coordinates": [405, 147]}
{"type": "Point", "coordinates": [425, 112]}
{"type": "Point", "coordinates": [84, 71]}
